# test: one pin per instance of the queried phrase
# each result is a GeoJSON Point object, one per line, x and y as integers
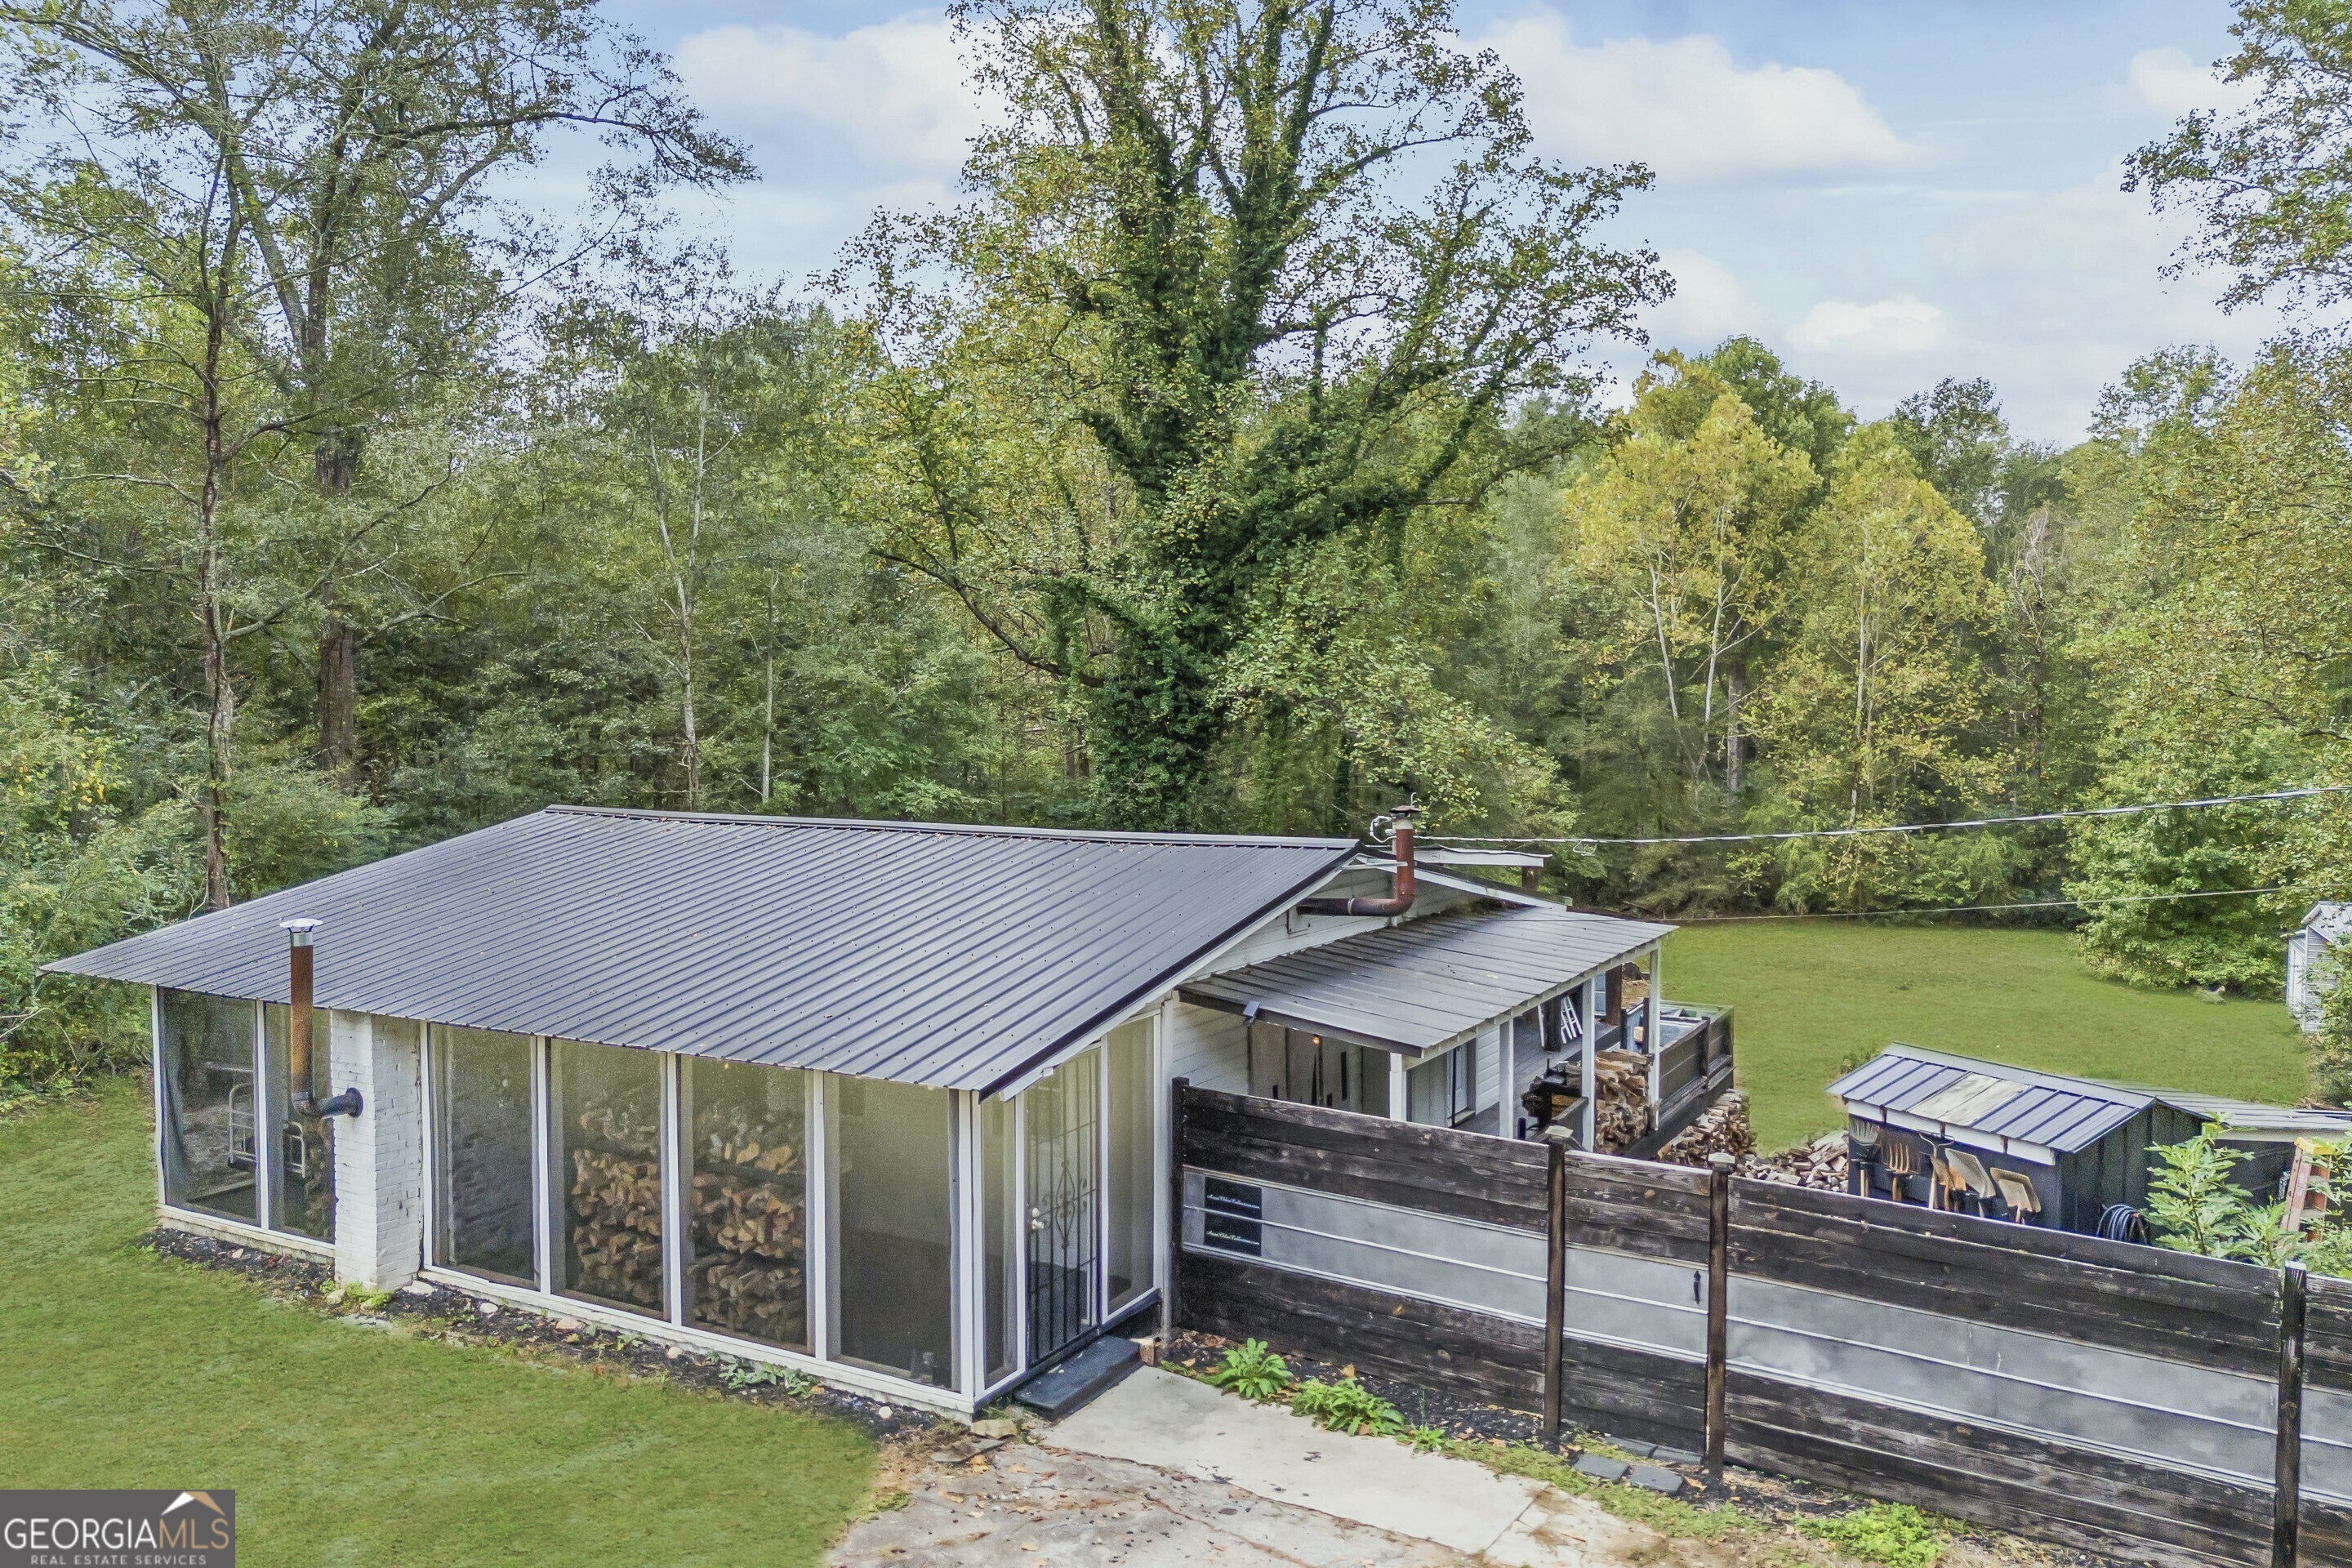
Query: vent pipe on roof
{"type": "Point", "coordinates": [1402, 899]}
{"type": "Point", "coordinates": [297, 1028]}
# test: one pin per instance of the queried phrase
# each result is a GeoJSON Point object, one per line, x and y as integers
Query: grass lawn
{"type": "Point", "coordinates": [1814, 995]}
{"type": "Point", "coordinates": [351, 1446]}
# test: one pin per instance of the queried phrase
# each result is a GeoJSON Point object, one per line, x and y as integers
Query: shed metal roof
{"type": "Point", "coordinates": [1992, 1099]}
{"type": "Point", "coordinates": [921, 952]}
{"type": "Point", "coordinates": [2332, 924]}
{"type": "Point", "coordinates": [1424, 985]}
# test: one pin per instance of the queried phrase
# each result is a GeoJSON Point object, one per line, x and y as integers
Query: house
{"type": "Point", "coordinates": [886, 1101]}
{"type": "Point", "coordinates": [2314, 961]}
{"type": "Point", "coordinates": [2039, 1147]}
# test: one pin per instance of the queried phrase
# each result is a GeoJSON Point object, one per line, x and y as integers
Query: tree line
{"type": "Point", "coordinates": [1228, 456]}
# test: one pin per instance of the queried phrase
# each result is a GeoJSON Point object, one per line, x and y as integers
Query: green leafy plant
{"type": "Point", "coordinates": [1347, 1405]}
{"type": "Point", "coordinates": [746, 1374]}
{"type": "Point", "coordinates": [1425, 1439]}
{"type": "Point", "coordinates": [1893, 1534]}
{"type": "Point", "coordinates": [2192, 1204]}
{"type": "Point", "coordinates": [1254, 1371]}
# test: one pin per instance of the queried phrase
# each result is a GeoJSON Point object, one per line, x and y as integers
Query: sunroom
{"type": "Point", "coordinates": [879, 1102]}
{"type": "Point", "coordinates": [913, 1240]}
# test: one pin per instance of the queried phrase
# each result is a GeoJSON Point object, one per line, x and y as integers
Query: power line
{"type": "Point", "coordinates": [1884, 829]}
{"type": "Point", "coordinates": [1983, 908]}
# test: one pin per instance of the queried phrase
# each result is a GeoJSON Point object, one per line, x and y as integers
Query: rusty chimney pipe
{"type": "Point", "coordinates": [297, 1027]}
{"type": "Point", "coordinates": [1402, 900]}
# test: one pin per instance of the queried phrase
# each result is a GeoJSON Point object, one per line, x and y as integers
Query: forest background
{"type": "Point", "coordinates": [1228, 458]}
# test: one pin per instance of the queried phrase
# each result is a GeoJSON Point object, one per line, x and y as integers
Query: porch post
{"type": "Point", "coordinates": [1400, 1109]}
{"type": "Point", "coordinates": [1651, 1018]}
{"type": "Point", "coordinates": [1506, 1114]}
{"type": "Point", "coordinates": [1589, 1082]}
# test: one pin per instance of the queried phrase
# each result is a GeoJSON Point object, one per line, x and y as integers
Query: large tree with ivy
{"type": "Point", "coordinates": [1241, 290]}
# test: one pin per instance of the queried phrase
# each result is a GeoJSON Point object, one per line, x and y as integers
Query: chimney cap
{"type": "Point", "coordinates": [297, 931]}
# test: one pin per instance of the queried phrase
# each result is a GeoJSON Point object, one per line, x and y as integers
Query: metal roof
{"type": "Point", "coordinates": [921, 952]}
{"type": "Point", "coordinates": [2332, 924]}
{"type": "Point", "coordinates": [2247, 1119]}
{"type": "Point", "coordinates": [1992, 1099]}
{"type": "Point", "coordinates": [1423, 984]}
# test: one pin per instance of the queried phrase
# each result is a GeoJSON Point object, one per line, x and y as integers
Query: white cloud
{"type": "Point", "coordinates": [1685, 106]}
{"type": "Point", "coordinates": [2168, 81]}
{"type": "Point", "coordinates": [896, 90]}
{"type": "Point", "coordinates": [1903, 325]}
{"type": "Point", "coordinates": [1709, 304]}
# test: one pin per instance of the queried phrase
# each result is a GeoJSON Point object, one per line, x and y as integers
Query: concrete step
{"type": "Point", "coordinates": [1057, 1390]}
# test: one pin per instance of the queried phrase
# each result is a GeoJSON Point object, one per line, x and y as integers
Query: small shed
{"type": "Point", "coordinates": [2314, 961]}
{"type": "Point", "coordinates": [2039, 1147]}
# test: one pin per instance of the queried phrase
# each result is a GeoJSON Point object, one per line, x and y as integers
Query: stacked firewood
{"type": "Point", "coordinates": [1820, 1164]}
{"type": "Point", "coordinates": [1621, 1108]}
{"type": "Point", "coordinates": [748, 1230]}
{"type": "Point", "coordinates": [616, 1224]}
{"type": "Point", "coordinates": [1721, 1129]}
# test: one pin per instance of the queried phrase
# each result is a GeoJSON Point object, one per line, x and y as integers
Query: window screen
{"type": "Point", "coordinates": [886, 1154]}
{"type": "Point", "coordinates": [746, 1202]}
{"type": "Point", "coordinates": [483, 1217]}
{"type": "Point", "coordinates": [604, 1150]}
{"type": "Point", "coordinates": [209, 1118]}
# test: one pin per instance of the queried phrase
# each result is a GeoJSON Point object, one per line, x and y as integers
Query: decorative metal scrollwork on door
{"type": "Point", "coordinates": [1064, 1184]}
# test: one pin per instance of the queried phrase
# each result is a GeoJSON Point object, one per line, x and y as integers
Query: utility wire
{"type": "Point", "coordinates": [1879, 831]}
{"type": "Point", "coordinates": [1981, 908]}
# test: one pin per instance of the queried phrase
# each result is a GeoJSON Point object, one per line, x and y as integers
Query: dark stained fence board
{"type": "Point", "coordinates": [1623, 1392]}
{"type": "Point", "coordinates": [2078, 1497]}
{"type": "Point", "coordinates": [2327, 1531]}
{"type": "Point", "coordinates": [2124, 1297]}
{"type": "Point", "coordinates": [1435, 1169]}
{"type": "Point", "coordinates": [1495, 1361]}
{"type": "Point", "coordinates": [2328, 1334]}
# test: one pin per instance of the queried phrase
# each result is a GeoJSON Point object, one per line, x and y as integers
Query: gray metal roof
{"type": "Point", "coordinates": [2331, 922]}
{"type": "Point", "coordinates": [1991, 1098]}
{"type": "Point", "coordinates": [926, 953]}
{"type": "Point", "coordinates": [1424, 984]}
{"type": "Point", "coordinates": [2247, 1119]}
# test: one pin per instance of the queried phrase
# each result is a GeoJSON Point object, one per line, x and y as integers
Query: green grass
{"type": "Point", "coordinates": [345, 1445]}
{"type": "Point", "coordinates": [1814, 995]}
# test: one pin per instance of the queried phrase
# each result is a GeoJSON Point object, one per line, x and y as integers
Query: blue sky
{"type": "Point", "coordinates": [1886, 193]}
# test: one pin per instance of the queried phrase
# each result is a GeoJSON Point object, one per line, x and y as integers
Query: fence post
{"type": "Point", "coordinates": [1555, 1277]}
{"type": "Point", "coordinates": [1169, 1305]}
{"type": "Point", "coordinates": [2287, 1497]}
{"type": "Point", "coordinates": [1718, 1300]}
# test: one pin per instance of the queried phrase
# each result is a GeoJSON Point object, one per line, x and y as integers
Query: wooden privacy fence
{"type": "Point", "coordinates": [2144, 1404]}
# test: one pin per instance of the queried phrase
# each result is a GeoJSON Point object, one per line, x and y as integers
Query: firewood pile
{"type": "Point", "coordinates": [617, 1224]}
{"type": "Point", "coordinates": [1620, 1083]}
{"type": "Point", "coordinates": [1820, 1164]}
{"type": "Point", "coordinates": [1721, 1129]}
{"type": "Point", "coordinates": [1621, 1092]}
{"type": "Point", "coordinates": [749, 1228]}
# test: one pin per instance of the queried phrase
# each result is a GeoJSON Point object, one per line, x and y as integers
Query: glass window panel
{"type": "Point", "coordinates": [484, 1222]}
{"type": "Point", "coordinates": [1133, 1114]}
{"type": "Point", "coordinates": [208, 1117]}
{"type": "Point", "coordinates": [605, 1153]}
{"type": "Point", "coordinates": [302, 1179]}
{"type": "Point", "coordinates": [747, 1206]}
{"type": "Point", "coordinates": [999, 1182]}
{"type": "Point", "coordinates": [887, 1151]}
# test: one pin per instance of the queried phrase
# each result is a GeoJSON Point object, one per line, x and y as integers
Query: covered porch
{"type": "Point", "coordinates": [1502, 1022]}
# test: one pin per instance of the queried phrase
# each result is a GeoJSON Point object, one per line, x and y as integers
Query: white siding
{"type": "Point", "coordinates": [1210, 1047]}
{"type": "Point", "coordinates": [1288, 932]}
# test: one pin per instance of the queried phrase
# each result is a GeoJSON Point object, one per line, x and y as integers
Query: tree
{"type": "Point", "coordinates": [1871, 713]}
{"type": "Point", "coordinates": [263, 206]}
{"type": "Point", "coordinates": [2270, 183]}
{"type": "Point", "coordinates": [1189, 331]}
{"type": "Point", "coordinates": [1688, 513]}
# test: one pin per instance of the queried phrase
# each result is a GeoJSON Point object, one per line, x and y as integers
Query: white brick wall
{"type": "Point", "coordinates": [379, 1153]}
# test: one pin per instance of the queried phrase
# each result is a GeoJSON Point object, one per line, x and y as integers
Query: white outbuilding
{"type": "Point", "coordinates": [2315, 953]}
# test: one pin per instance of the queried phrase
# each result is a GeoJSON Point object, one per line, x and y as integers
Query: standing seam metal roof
{"type": "Point", "coordinates": [1419, 987]}
{"type": "Point", "coordinates": [921, 952]}
{"type": "Point", "coordinates": [2048, 1109]}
